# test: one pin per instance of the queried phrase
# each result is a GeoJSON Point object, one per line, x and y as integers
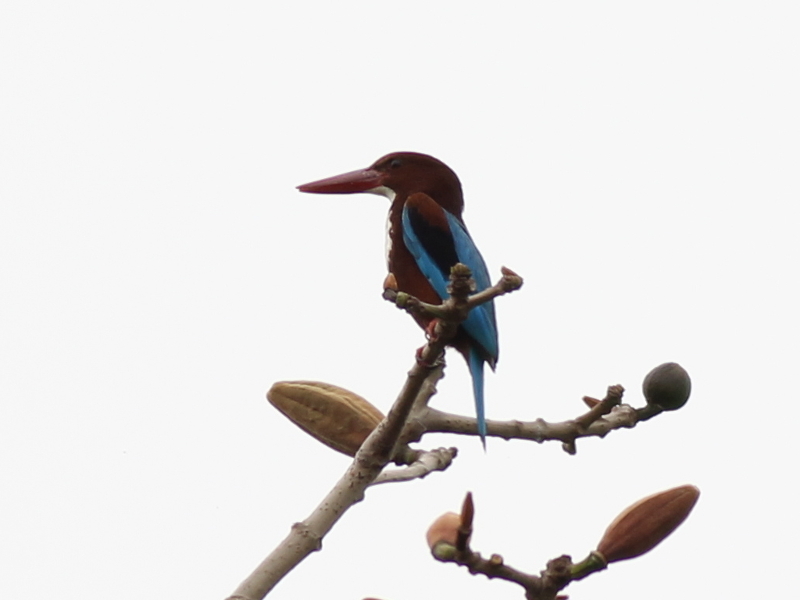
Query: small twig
{"type": "Point", "coordinates": [455, 308]}
{"type": "Point", "coordinates": [494, 568]}
{"type": "Point", "coordinates": [446, 548]}
{"type": "Point", "coordinates": [606, 416]}
{"type": "Point", "coordinates": [602, 408]}
{"type": "Point", "coordinates": [510, 282]}
{"type": "Point", "coordinates": [427, 462]}
{"type": "Point", "coordinates": [596, 412]}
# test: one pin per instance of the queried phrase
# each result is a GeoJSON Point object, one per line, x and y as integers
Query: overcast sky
{"type": "Point", "coordinates": [636, 162]}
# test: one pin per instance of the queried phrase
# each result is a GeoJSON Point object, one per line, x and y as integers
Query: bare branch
{"type": "Point", "coordinates": [449, 540]}
{"type": "Point", "coordinates": [607, 415]}
{"type": "Point", "coordinates": [410, 417]}
{"type": "Point", "coordinates": [376, 452]}
{"type": "Point", "coordinates": [427, 462]}
{"type": "Point", "coordinates": [455, 308]}
{"type": "Point", "coordinates": [636, 531]}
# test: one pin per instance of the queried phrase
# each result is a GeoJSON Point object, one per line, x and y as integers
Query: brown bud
{"type": "Point", "coordinates": [642, 526]}
{"type": "Point", "coordinates": [667, 386]}
{"type": "Point", "coordinates": [335, 416]}
{"type": "Point", "coordinates": [467, 511]}
{"type": "Point", "coordinates": [444, 531]}
{"type": "Point", "coordinates": [508, 272]}
{"type": "Point", "coordinates": [590, 402]}
{"type": "Point", "coordinates": [465, 529]}
{"type": "Point", "coordinates": [390, 283]}
{"type": "Point", "coordinates": [511, 281]}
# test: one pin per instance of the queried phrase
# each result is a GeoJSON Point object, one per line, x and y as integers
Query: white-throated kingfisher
{"type": "Point", "coordinates": [426, 237]}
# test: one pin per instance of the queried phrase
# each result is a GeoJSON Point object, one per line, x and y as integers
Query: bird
{"type": "Point", "coordinates": [426, 237]}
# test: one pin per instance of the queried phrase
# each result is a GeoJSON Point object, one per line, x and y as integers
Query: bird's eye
{"type": "Point", "coordinates": [396, 162]}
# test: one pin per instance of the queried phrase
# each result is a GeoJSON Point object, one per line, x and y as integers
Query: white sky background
{"type": "Point", "coordinates": [638, 165]}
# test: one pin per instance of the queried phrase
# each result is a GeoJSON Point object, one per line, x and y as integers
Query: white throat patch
{"type": "Point", "coordinates": [382, 190]}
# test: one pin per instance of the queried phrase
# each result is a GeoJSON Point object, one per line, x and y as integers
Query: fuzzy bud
{"type": "Point", "coordinates": [335, 416]}
{"type": "Point", "coordinates": [443, 534]}
{"type": "Point", "coordinates": [667, 386]}
{"type": "Point", "coordinates": [642, 526]}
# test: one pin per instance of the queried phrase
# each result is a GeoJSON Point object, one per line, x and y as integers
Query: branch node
{"type": "Point", "coordinates": [305, 531]}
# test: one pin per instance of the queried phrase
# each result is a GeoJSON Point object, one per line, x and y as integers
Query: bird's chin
{"type": "Point", "coordinates": [384, 191]}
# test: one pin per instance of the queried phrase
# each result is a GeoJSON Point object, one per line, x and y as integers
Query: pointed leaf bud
{"type": "Point", "coordinates": [642, 526]}
{"type": "Point", "coordinates": [508, 272]}
{"type": "Point", "coordinates": [667, 386]}
{"type": "Point", "coordinates": [465, 529]}
{"type": "Point", "coordinates": [335, 416]}
{"type": "Point", "coordinates": [590, 402]}
{"type": "Point", "coordinates": [442, 535]}
{"type": "Point", "coordinates": [467, 511]}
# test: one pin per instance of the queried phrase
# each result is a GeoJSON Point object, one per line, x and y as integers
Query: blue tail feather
{"type": "Point", "coordinates": [476, 370]}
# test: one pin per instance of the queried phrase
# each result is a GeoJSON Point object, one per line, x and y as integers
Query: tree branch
{"type": "Point", "coordinates": [454, 309]}
{"type": "Point", "coordinates": [607, 415]}
{"type": "Point", "coordinates": [376, 452]}
{"type": "Point", "coordinates": [426, 463]}
{"type": "Point", "coordinates": [544, 586]}
{"type": "Point", "coordinates": [449, 540]}
{"type": "Point", "coordinates": [306, 537]}
{"type": "Point", "coordinates": [636, 531]}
